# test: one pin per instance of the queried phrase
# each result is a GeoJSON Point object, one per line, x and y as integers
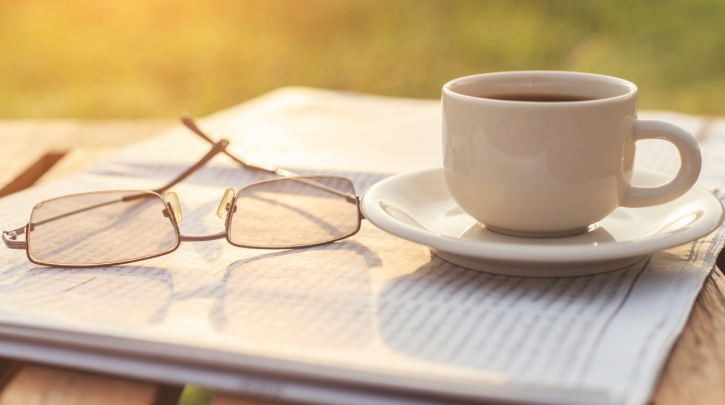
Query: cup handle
{"type": "Point", "coordinates": [690, 164]}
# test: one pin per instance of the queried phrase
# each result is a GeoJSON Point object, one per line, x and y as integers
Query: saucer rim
{"type": "Point", "coordinates": [544, 253]}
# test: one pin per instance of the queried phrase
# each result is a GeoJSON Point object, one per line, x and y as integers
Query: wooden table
{"type": "Point", "coordinates": [34, 152]}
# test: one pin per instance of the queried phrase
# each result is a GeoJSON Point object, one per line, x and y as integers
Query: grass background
{"type": "Point", "coordinates": [157, 58]}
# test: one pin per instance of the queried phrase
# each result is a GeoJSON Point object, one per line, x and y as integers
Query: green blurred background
{"type": "Point", "coordinates": [157, 58]}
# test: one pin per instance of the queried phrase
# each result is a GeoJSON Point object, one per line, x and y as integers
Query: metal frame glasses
{"type": "Point", "coordinates": [113, 227]}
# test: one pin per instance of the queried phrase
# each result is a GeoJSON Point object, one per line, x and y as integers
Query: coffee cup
{"type": "Point", "coordinates": [549, 154]}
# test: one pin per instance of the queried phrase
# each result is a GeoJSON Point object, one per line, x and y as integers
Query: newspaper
{"type": "Point", "coordinates": [371, 318]}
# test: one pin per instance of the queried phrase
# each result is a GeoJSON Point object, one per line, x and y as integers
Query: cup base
{"type": "Point", "coordinates": [562, 268]}
{"type": "Point", "coordinates": [540, 235]}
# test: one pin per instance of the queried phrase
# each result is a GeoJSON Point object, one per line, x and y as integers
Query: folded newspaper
{"type": "Point", "coordinates": [371, 319]}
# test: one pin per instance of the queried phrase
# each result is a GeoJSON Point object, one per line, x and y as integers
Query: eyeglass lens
{"type": "Point", "coordinates": [294, 212]}
{"type": "Point", "coordinates": [100, 228]}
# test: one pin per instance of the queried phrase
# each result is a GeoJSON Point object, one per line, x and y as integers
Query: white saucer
{"type": "Point", "coordinates": [417, 206]}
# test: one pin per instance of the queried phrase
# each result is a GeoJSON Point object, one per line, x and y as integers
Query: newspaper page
{"type": "Point", "coordinates": [373, 309]}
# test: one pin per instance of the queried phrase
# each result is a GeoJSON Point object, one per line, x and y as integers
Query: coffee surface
{"type": "Point", "coordinates": [541, 98]}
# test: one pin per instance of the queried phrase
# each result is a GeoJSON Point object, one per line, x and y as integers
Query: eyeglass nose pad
{"type": "Point", "coordinates": [221, 212]}
{"type": "Point", "coordinates": [172, 199]}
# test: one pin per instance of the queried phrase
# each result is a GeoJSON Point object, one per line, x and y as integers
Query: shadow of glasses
{"type": "Point", "coordinates": [317, 297]}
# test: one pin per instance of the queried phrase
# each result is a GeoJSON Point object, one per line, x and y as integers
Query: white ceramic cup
{"type": "Point", "coordinates": [550, 169]}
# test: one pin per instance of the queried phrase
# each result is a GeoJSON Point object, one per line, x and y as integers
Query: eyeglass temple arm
{"type": "Point", "coordinates": [10, 239]}
{"type": "Point", "coordinates": [216, 148]}
{"type": "Point", "coordinates": [189, 123]}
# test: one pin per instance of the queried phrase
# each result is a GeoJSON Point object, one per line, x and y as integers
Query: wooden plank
{"type": "Point", "coordinates": [8, 368]}
{"type": "Point", "coordinates": [74, 161]}
{"type": "Point", "coordinates": [38, 385]}
{"type": "Point", "coordinates": [32, 172]}
{"type": "Point", "coordinates": [695, 370]}
{"type": "Point", "coordinates": [25, 142]}
{"type": "Point", "coordinates": [67, 134]}
{"type": "Point", "coordinates": [168, 394]}
{"type": "Point", "coordinates": [227, 399]}
{"type": "Point", "coordinates": [32, 147]}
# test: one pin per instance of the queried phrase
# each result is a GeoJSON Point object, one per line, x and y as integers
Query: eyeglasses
{"type": "Point", "coordinates": [115, 227]}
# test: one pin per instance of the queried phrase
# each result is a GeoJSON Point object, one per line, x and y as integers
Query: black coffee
{"type": "Point", "coordinates": [540, 98]}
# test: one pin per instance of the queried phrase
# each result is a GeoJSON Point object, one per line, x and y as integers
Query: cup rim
{"type": "Point", "coordinates": [550, 73]}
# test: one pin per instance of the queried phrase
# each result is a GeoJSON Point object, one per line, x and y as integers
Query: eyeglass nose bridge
{"type": "Point", "coordinates": [224, 206]}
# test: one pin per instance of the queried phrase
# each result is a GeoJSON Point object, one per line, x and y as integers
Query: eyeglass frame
{"type": "Point", "coordinates": [11, 242]}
